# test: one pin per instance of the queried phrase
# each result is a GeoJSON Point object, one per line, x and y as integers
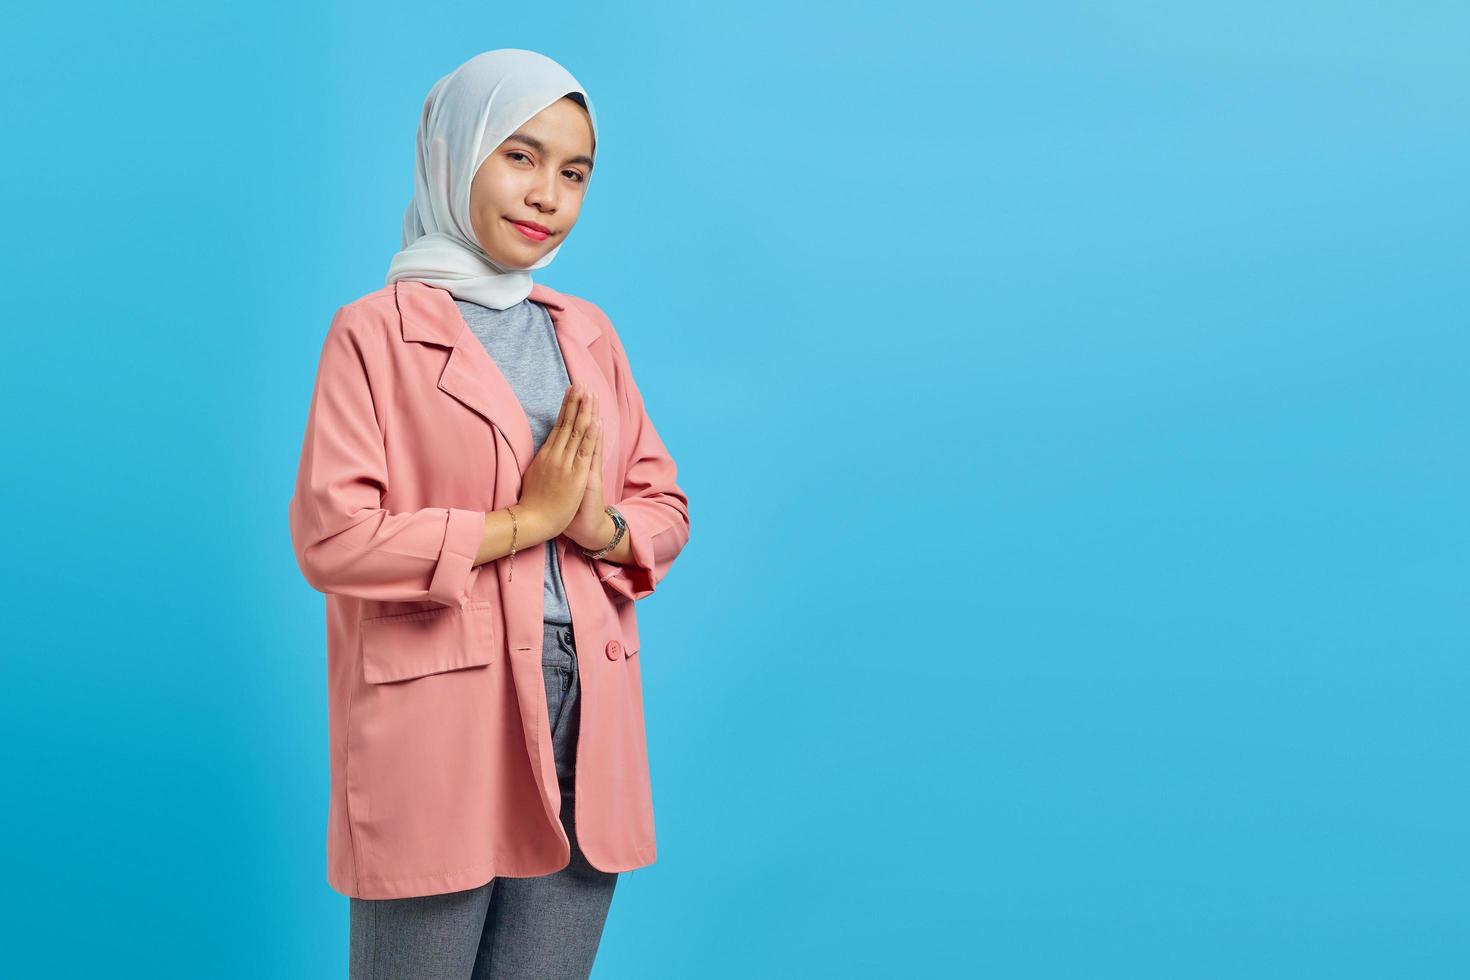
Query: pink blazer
{"type": "Point", "coordinates": [442, 774]}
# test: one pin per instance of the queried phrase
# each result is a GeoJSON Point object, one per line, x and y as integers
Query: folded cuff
{"type": "Point", "coordinates": [635, 579]}
{"type": "Point", "coordinates": [463, 532]}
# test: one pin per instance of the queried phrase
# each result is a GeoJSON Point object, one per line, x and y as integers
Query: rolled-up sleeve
{"type": "Point", "coordinates": [345, 541]}
{"type": "Point", "coordinates": [650, 499]}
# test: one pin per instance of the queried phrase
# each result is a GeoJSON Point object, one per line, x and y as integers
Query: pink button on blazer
{"type": "Point", "coordinates": [442, 774]}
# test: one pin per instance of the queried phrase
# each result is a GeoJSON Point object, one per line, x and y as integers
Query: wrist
{"type": "Point", "coordinates": [532, 528]}
{"type": "Point", "coordinates": [593, 539]}
{"type": "Point", "coordinates": [605, 531]}
{"type": "Point", "coordinates": [609, 534]}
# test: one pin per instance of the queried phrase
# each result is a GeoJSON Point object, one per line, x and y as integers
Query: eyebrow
{"type": "Point", "coordinates": [540, 147]}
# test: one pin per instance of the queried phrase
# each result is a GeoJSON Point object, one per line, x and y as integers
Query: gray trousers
{"type": "Point", "coordinates": [546, 928]}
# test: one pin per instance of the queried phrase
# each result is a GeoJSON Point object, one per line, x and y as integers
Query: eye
{"type": "Point", "coordinates": [576, 176]}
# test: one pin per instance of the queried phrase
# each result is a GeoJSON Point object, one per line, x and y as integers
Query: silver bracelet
{"type": "Point", "coordinates": [619, 526]}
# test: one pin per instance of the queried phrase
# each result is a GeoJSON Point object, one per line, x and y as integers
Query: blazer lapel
{"type": "Point", "coordinates": [579, 339]}
{"type": "Point", "coordinates": [428, 314]}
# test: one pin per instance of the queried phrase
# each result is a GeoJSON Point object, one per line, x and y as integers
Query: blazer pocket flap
{"type": "Point", "coordinates": [431, 641]}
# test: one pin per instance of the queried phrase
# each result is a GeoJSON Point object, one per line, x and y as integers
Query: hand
{"type": "Point", "coordinates": [555, 483]}
{"type": "Point", "coordinates": [591, 527]}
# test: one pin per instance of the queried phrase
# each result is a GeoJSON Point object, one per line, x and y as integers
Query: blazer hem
{"type": "Point", "coordinates": [441, 882]}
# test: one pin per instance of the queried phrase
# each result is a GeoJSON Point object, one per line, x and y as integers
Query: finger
{"type": "Point", "coordinates": [597, 413]}
{"type": "Point", "coordinates": [567, 400]}
{"type": "Point", "coordinates": [594, 436]}
{"type": "Point", "coordinates": [586, 411]}
{"type": "Point", "coordinates": [587, 452]}
{"type": "Point", "coordinates": [597, 449]}
{"type": "Point", "coordinates": [559, 432]}
{"type": "Point", "coordinates": [554, 434]}
{"type": "Point", "coordinates": [582, 436]}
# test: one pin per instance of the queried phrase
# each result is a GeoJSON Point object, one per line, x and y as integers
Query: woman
{"type": "Point", "coordinates": [483, 498]}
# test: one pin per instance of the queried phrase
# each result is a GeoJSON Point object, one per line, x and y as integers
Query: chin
{"type": "Point", "coordinates": [518, 259]}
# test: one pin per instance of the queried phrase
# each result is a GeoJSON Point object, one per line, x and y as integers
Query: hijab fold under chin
{"type": "Point", "coordinates": [467, 114]}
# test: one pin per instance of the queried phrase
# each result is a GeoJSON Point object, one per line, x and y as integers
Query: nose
{"type": "Point", "coordinates": [542, 194]}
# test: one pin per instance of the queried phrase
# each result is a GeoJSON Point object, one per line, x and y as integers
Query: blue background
{"type": "Point", "coordinates": [1072, 404]}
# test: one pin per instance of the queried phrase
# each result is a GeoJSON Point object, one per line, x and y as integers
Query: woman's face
{"type": "Point", "coordinates": [538, 175]}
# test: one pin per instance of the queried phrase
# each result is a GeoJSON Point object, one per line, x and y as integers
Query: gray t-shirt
{"type": "Point", "coordinates": [521, 340]}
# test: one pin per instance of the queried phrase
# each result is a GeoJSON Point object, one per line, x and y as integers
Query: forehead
{"type": "Point", "coordinates": [561, 128]}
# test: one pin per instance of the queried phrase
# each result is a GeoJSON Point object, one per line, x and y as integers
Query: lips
{"type": "Point", "coordinates": [533, 231]}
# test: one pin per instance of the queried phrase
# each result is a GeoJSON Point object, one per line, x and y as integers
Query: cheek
{"type": "Point", "coordinates": [491, 189]}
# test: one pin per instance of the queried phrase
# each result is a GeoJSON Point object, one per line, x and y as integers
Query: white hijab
{"type": "Point", "coordinates": [467, 114]}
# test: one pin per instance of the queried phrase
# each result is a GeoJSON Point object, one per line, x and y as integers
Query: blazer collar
{"type": "Point", "coordinates": [429, 315]}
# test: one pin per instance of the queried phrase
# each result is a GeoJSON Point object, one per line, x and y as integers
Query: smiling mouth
{"type": "Point", "coordinates": [530, 233]}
